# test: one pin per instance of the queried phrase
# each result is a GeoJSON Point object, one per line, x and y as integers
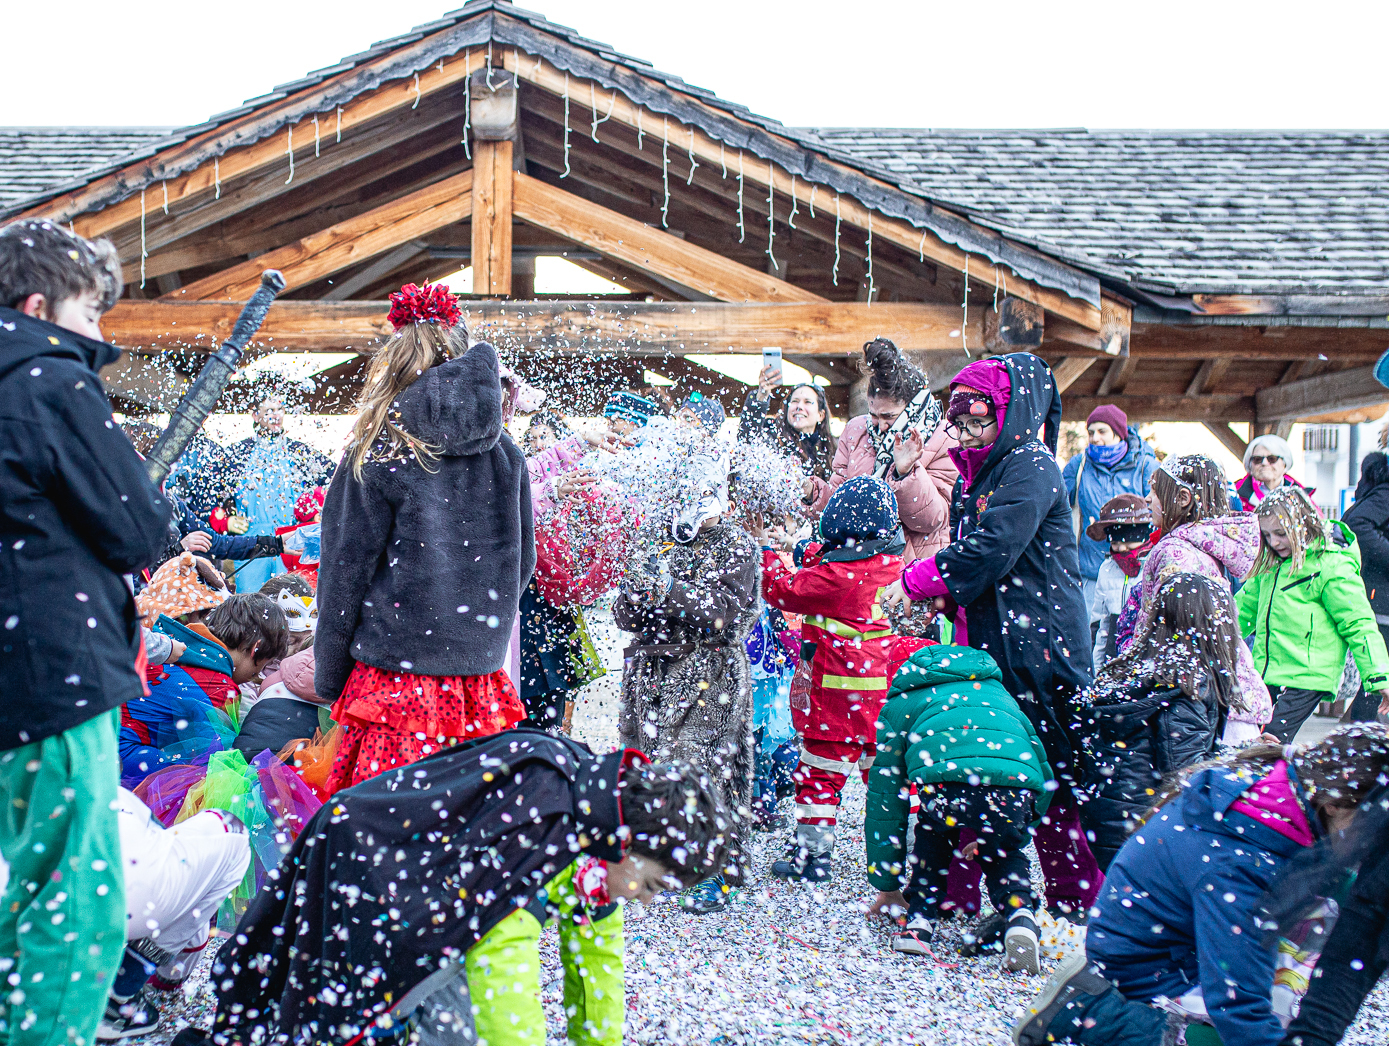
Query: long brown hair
{"type": "Point", "coordinates": [1301, 520]}
{"type": "Point", "coordinates": [1202, 478]}
{"type": "Point", "coordinates": [398, 364]}
{"type": "Point", "coordinates": [1192, 629]}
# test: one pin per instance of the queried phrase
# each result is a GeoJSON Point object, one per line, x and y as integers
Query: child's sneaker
{"type": "Point", "coordinates": [986, 937]}
{"type": "Point", "coordinates": [709, 896]}
{"type": "Point", "coordinates": [126, 1020]}
{"type": "Point", "coordinates": [915, 937]}
{"type": "Point", "coordinates": [1020, 943]}
{"type": "Point", "coordinates": [800, 866]}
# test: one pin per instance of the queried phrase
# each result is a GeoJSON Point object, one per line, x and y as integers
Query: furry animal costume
{"type": "Point", "coordinates": [686, 682]}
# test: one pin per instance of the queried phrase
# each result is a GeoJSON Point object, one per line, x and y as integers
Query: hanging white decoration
{"type": "Point", "coordinates": [741, 230]}
{"type": "Point", "coordinates": [813, 190]}
{"type": "Point", "coordinates": [489, 66]}
{"type": "Point", "coordinates": [315, 134]}
{"type": "Point", "coordinates": [964, 319]}
{"type": "Point", "coordinates": [871, 288]}
{"type": "Point", "coordinates": [771, 214]}
{"type": "Point", "coordinates": [566, 126]}
{"type": "Point", "coordinates": [164, 184]}
{"type": "Point", "coordinates": [217, 178]}
{"type": "Point", "coordinates": [791, 218]}
{"type": "Point", "coordinates": [639, 131]}
{"type": "Point", "coordinates": [722, 166]}
{"type": "Point", "coordinates": [834, 275]}
{"type": "Point", "coordinates": [417, 92]}
{"type": "Point", "coordinates": [441, 65]}
{"type": "Point", "coordinates": [593, 104]}
{"type": "Point", "coordinates": [693, 162]}
{"type": "Point", "coordinates": [467, 102]}
{"type": "Point", "coordinates": [921, 249]}
{"type": "Point", "coordinates": [995, 288]}
{"type": "Point", "coordinates": [665, 171]}
{"type": "Point", "coordinates": [339, 124]}
{"type": "Point", "coordinates": [143, 253]}
{"type": "Point", "coordinates": [289, 131]}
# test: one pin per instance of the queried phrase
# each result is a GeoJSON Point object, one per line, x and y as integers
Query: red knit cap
{"type": "Point", "coordinates": [1112, 416]}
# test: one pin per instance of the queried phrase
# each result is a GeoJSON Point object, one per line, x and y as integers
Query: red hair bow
{"type": "Point", "coordinates": [431, 303]}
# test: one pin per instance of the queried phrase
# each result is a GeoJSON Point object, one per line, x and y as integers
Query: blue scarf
{"type": "Point", "coordinates": [1107, 455]}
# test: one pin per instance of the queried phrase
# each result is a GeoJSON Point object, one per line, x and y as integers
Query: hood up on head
{"type": "Point", "coordinates": [1374, 472]}
{"type": "Point", "coordinates": [1024, 390]}
{"type": "Point", "coordinates": [456, 406]}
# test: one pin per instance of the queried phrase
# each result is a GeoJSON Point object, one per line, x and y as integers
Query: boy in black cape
{"type": "Point", "coordinates": [410, 892]}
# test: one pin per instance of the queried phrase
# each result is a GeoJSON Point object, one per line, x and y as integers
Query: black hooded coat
{"type": "Point", "coordinates": [77, 511]}
{"type": "Point", "coordinates": [397, 877]}
{"type": "Point", "coordinates": [1369, 519]}
{"type": "Point", "coordinates": [422, 567]}
{"type": "Point", "coordinates": [1013, 564]}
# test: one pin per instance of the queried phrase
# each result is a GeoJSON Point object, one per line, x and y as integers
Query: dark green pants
{"type": "Point", "coordinates": [62, 915]}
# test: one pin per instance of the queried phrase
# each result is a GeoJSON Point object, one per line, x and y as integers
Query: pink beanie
{"type": "Point", "coordinates": [1112, 416]}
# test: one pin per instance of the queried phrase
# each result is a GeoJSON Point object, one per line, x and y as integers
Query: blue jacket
{"type": "Point", "coordinates": [1177, 907]}
{"type": "Point", "coordinates": [1099, 483]}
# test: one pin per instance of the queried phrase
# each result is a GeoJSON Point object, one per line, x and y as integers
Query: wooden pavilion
{"type": "Point", "coordinates": [1199, 277]}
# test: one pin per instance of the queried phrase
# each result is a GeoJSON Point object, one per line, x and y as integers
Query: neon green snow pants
{"type": "Point", "coordinates": [504, 976]}
{"type": "Point", "coordinates": [62, 914]}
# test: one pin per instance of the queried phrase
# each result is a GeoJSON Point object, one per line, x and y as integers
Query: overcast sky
{"type": "Point", "coordinates": [1041, 63]}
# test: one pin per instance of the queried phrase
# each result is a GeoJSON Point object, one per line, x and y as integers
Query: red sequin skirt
{"type": "Point", "coordinates": [391, 719]}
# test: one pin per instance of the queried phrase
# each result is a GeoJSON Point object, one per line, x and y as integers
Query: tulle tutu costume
{"type": "Point", "coordinates": [390, 719]}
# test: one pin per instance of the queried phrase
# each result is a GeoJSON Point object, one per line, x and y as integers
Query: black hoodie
{"type": "Point", "coordinates": [1369, 518]}
{"type": "Point", "coordinates": [76, 512]}
{"type": "Point", "coordinates": [1013, 564]}
{"type": "Point", "coordinates": [423, 564]}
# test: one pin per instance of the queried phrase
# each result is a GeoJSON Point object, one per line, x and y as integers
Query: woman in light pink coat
{"type": "Point", "coordinates": [900, 440]}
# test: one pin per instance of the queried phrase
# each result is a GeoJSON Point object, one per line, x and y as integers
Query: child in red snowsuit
{"type": "Point", "coordinates": [846, 644]}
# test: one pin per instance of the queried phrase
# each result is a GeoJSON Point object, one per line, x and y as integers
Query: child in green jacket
{"type": "Point", "coordinates": [951, 728]}
{"type": "Point", "coordinates": [1305, 604]}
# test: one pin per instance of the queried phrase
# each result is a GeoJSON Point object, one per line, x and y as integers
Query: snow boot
{"type": "Point", "coordinates": [1020, 943]}
{"type": "Point", "coordinates": [802, 866]}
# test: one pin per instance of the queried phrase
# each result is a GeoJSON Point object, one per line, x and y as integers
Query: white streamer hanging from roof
{"type": "Point", "coordinates": [417, 92]}
{"type": "Point", "coordinates": [834, 275]}
{"type": "Point", "coordinates": [315, 134]}
{"type": "Point", "coordinates": [593, 104]}
{"type": "Point", "coordinates": [771, 214]}
{"type": "Point", "coordinates": [665, 171]}
{"type": "Point", "coordinates": [143, 253]}
{"type": "Point", "coordinates": [566, 126]}
{"type": "Point", "coordinates": [467, 102]}
{"type": "Point", "coordinates": [741, 231]}
{"type": "Point", "coordinates": [791, 218]}
{"type": "Point", "coordinates": [164, 184]}
{"type": "Point", "coordinates": [289, 148]}
{"type": "Point", "coordinates": [217, 178]}
{"type": "Point", "coordinates": [693, 162]}
{"type": "Point", "coordinates": [871, 288]}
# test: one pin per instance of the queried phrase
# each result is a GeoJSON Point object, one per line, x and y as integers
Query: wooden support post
{"type": "Point", "coordinates": [492, 190]}
{"type": "Point", "coordinates": [1228, 437]}
{"type": "Point", "coordinates": [1207, 378]}
{"type": "Point", "coordinates": [1069, 369]}
{"type": "Point", "coordinates": [1116, 378]}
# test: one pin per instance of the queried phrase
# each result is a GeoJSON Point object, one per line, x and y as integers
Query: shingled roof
{"type": "Point", "coordinates": [1174, 212]}
{"type": "Point", "coordinates": [33, 159]}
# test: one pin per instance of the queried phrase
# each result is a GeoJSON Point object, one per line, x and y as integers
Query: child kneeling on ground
{"type": "Point", "coordinates": [430, 884]}
{"type": "Point", "coordinates": [950, 728]}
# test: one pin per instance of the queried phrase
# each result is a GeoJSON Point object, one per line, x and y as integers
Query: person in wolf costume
{"type": "Point", "coordinates": [686, 682]}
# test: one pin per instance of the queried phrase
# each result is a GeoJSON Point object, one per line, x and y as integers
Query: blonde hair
{"type": "Point", "coordinates": [398, 364]}
{"type": "Point", "coordinates": [1300, 519]}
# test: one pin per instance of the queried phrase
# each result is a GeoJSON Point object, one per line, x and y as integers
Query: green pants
{"type": "Point", "coordinates": [62, 916]}
{"type": "Point", "coordinates": [504, 975]}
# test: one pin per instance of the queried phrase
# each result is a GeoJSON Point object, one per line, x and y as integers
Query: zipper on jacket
{"type": "Point", "coordinates": [1268, 617]}
{"type": "Point", "coordinates": [1301, 581]}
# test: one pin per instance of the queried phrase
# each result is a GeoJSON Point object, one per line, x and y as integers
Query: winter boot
{"type": "Point", "coordinates": [1020, 943]}
{"type": "Point", "coordinates": [915, 937]}
{"type": "Point", "coordinates": [986, 937]}
{"type": "Point", "coordinates": [809, 858]}
{"type": "Point", "coordinates": [1080, 1006]}
{"type": "Point", "coordinates": [709, 896]}
{"type": "Point", "coordinates": [126, 1020]}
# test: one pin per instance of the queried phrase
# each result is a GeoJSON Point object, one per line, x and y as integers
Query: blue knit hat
{"type": "Point", "coordinates": [706, 408]}
{"type": "Point", "coordinates": [631, 407]}
{"type": "Point", "coordinates": [863, 508]}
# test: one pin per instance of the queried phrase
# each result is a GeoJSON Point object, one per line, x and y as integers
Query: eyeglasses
{"type": "Point", "coordinates": [974, 426]}
{"type": "Point", "coordinates": [1265, 459]}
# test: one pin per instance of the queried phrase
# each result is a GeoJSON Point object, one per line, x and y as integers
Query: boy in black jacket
{"type": "Point", "coordinates": [76, 513]}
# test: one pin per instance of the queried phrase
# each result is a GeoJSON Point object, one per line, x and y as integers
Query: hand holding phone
{"type": "Point", "coordinates": [772, 371]}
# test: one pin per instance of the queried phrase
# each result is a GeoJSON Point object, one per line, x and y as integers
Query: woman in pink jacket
{"type": "Point", "coordinates": [900, 440]}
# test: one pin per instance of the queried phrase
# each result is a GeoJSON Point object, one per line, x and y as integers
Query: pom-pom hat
{"type": "Point", "coordinates": [432, 303]}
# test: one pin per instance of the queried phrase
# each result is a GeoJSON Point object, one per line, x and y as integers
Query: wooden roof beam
{"type": "Point", "coordinates": [1215, 408]}
{"type": "Point", "coordinates": [1338, 391]}
{"type": "Point", "coordinates": [823, 329]}
{"type": "Point", "coordinates": [1067, 370]}
{"type": "Point", "coordinates": [336, 248]}
{"type": "Point", "coordinates": [647, 249]}
{"type": "Point", "coordinates": [1229, 438]}
{"type": "Point", "coordinates": [708, 151]}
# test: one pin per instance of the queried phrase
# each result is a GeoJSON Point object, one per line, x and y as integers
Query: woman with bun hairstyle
{"type": "Point", "coordinates": [900, 440]}
{"type": "Point", "coordinates": [428, 541]}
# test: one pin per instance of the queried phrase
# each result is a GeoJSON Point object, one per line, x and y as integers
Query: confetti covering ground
{"type": "Point", "coordinates": [786, 964]}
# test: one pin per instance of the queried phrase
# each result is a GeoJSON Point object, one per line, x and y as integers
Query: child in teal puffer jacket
{"type": "Point", "coordinates": [1305, 605]}
{"type": "Point", "coordinates": [951, 728]}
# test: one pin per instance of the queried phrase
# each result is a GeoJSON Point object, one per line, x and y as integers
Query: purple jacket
{"type": "Point", "coordinates": [1209, 547]}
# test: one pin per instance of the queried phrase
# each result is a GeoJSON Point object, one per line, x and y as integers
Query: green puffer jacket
{"type": "Point", "coordinates": [948, 719]}
{"type": "Point", "coordinates": [1303, 621]}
